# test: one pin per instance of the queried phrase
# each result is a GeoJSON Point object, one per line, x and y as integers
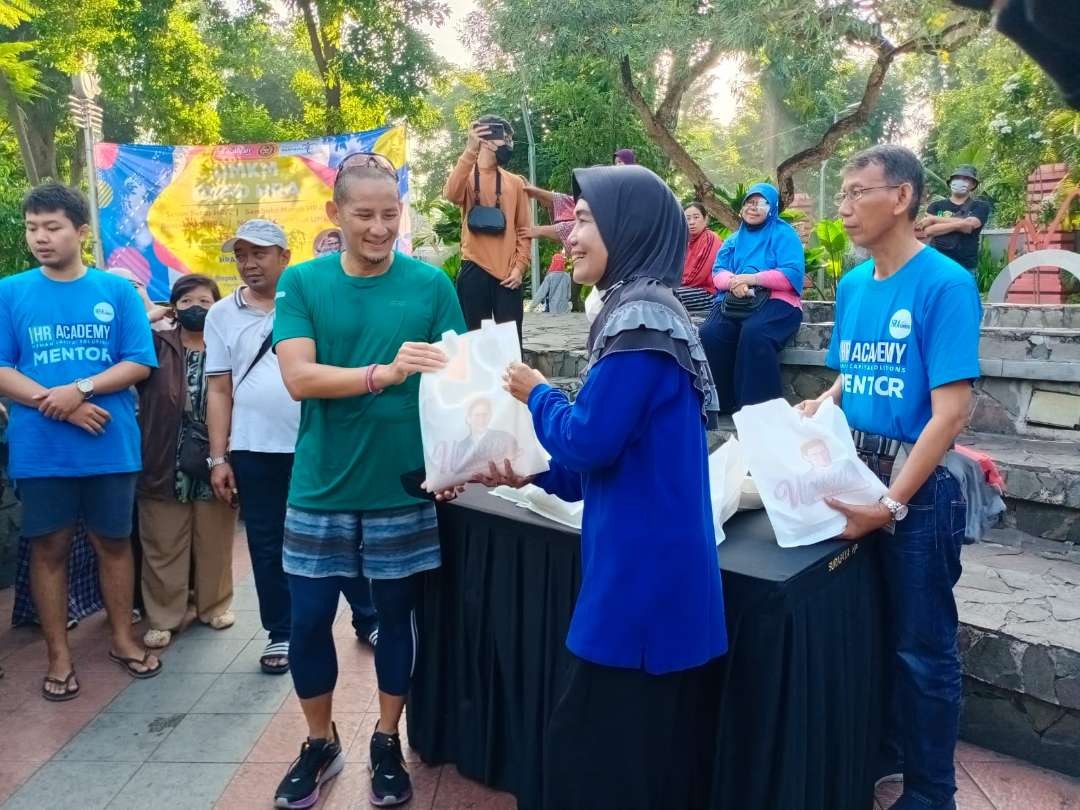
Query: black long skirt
{"type": "Point", "coordinates": [621, 739]}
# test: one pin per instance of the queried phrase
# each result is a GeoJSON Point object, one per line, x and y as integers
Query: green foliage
{"type": "Point", "coordinates": [452, 266]}
{"type": "Point", "coordinates": [16, 69]}
{"type": "Point", "coordinates": [988, 268]}
{"type": "Point", "coordinates": [828, 251]}
{"type": "Point", "coordinates": [14, 255]}
{"type": "Point", "coordinates": [995, 108]}
{"type": "Point", "coordinates": [445, 222]}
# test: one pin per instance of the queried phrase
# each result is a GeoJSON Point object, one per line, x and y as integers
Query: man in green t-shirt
{"type": "Point", "coordinates": [352, 333]}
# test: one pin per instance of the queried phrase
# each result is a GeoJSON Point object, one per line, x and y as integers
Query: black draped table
{"type": "Point", "coordinates": [797, 698]}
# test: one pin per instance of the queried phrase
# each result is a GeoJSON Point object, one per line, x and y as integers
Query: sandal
{"type": "Point", "coordinates": [223, 621]}
{"type": "Point", "coordinates": [156, 639]}
{"type": "Point", "coordinates": [278, 650]}
{"type": "Point", "coordinates": [129, 665]}
{"type": "Point", "coordinates": [69, 692]}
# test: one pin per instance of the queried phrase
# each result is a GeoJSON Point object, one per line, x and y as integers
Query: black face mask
{"type": "Point", "coordinates": [503, 154]}
{"type": "Point", "coordinates": [192, 318]}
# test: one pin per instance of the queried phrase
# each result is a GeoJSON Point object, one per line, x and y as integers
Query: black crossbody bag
{"type": "Point", "coordinates": [739, 309]}
{"type": "Point", "coordinates": [486, 219]}
{"type": "Point", "coordinates": [195, 436]}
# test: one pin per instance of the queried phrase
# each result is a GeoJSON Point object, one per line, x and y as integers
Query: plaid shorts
{"type": "Point", "coordinates": [383, 543]}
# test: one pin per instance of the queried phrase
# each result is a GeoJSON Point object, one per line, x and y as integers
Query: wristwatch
{"type": "Point", "coordinates": [85, 387]}
{"type": "Point", "coordinates": [216, 462]}
{"type": "Point", "coordinates": [899, 510]}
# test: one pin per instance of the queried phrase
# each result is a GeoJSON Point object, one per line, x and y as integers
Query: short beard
{"type": "Point", "coordinates": [373, 259]}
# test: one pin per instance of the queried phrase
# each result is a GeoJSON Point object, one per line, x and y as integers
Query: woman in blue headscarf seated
{"type": "Point", "coordinates": [759, 276]}
{"type": "Point", "coordinates": [649, 615]}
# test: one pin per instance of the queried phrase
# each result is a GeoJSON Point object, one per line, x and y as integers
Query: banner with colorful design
{"type": "Point", "coordinates": [166, 210]}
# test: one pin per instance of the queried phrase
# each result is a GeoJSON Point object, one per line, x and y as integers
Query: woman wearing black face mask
{"type": "Point", "coordinates": [495, 225]}
{"type": "Point", "coordinates": [181, 523]}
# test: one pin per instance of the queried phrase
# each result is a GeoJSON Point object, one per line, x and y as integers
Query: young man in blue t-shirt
{"type": "Point", "coordinates": [73, 340]}
{"type": "Point", "coordinates": [906, 344]}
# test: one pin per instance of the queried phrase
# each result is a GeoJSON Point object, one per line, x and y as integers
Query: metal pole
{"type": "Point", "coordinates": [535, 250]}
{"type": "Point", "coordinates": [821, 216]}
{"type": "Point", "coordinates": [87, 114]}
{"type": "Point", "coordinates": [91, 184]}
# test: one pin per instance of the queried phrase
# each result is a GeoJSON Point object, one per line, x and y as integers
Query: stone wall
{"type": "Point", "coordinates": [1021, 726]}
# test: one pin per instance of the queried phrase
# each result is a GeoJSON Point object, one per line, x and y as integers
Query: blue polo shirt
{"type": "Point", "coordinates": [56, 332]}
{"type": "Point", "coordinates": [897, 339]}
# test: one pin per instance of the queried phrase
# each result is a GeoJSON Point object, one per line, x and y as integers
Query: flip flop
{"type": "Point", "coordinates": [60, 697]}
{"type": "Point", "coordinates": [278, 649]}
{"type": "Point", "coordinates": [129, 665]}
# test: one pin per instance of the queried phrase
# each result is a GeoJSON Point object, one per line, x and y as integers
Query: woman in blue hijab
{"type": "Point", "coordinates": [759, 275]}
{"type": "Point", "coordinates": [649, 616]}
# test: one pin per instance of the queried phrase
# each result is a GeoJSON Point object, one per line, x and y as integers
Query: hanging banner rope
{"type": "Point", "coordinates": [166, 210]}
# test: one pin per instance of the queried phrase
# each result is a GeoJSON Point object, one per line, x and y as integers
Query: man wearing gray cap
{"type": "Point", "coordinates": [253, 422]}
{"type": "Point", "coordinates": [954, 226]}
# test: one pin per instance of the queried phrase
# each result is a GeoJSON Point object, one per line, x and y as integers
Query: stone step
{"type": "Point", "coordinates": [1032, 315]}
{"type": "Point", "coordinates": [1042, 352]}
{"type": "Point", "coordinates": [1018, 601]}
{"type": "Point", "coordinates": [1046, 472]}
{"type": "Point", "coordinates": [1042, 483]}
{"type": "Point", "coordinates": [1054, 316]}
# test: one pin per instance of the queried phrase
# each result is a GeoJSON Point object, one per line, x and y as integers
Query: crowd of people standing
{"type": "Point", "coordinates": [295, 399]}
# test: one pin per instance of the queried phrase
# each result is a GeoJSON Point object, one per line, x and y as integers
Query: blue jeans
{"type": "Point", "coordinates": [921, 563]}
{"type": "Point", "coordinates": [263, 483]}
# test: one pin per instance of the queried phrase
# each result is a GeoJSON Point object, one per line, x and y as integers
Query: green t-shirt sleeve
{"type": "Point", "coordinates": [292, 318]}
{"type": "Point", "coordinates": [448, 317]}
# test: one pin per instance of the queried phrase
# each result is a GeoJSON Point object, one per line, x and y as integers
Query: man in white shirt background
{"type": "Point", "coordinates": [253, 423]}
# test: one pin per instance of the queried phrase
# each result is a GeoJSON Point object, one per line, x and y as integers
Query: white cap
{"type": "Point", "coordinates": [261, 232]}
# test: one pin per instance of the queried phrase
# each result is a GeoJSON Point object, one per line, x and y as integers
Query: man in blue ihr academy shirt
{"type": "Point", "coordinates": [73, 340]}
{"type": "Point", "coordinates": [906, 344]}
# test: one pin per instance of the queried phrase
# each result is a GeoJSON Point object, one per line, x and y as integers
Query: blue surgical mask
{"type": "Point", "coordinates": [959, 186]}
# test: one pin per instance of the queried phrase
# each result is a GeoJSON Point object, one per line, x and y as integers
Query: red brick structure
{"type": "Point", "coordinates": [1041, 286]}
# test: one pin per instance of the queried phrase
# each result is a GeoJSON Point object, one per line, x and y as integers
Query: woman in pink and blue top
{"type": "Point", "coordinates": [759, 276]}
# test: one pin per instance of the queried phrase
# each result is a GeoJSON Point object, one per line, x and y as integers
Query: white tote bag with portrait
{"type": "Point", "coordinates": [797, 462]}
{"type": "Point", "coordinates": [467, 419]}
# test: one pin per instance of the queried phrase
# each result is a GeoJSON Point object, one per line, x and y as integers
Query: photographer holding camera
{"type": "Point", "coordinates": [494, 208]}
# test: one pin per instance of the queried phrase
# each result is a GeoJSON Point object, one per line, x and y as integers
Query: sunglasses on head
{"type": "Point", "coordinates": [367, 159]}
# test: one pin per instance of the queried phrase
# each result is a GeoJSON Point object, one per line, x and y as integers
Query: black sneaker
{"type": "Point", "coordinates": [389, 779]}
{"type": "Point", "coordinates": [319, 762]}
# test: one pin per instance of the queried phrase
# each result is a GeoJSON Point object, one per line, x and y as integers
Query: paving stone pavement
{"type": "Point", "coordinates": [213, 732]}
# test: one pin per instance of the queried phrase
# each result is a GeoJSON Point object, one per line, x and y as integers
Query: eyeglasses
{"type": "Point", "coordinates": [367, 159]}
{"type": "Point", "coordinates": [753, 205]}
{"type": "Point", "coordinates": [856, 194]}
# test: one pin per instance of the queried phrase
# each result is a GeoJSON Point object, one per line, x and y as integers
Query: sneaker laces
{"type": "Point", "coordinates": [309, 761]}
{"type": "Point", "coordinates": [388, 750]}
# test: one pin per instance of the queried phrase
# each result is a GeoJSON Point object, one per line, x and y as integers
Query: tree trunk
{"type": "Point", "coordinates": [679, 157]}
{"type": "Point", "coordinates": [887, 53]}
{"type": "Point", "coordinates": [78, 161]}
{"type": "Point", "coordinates": [325, 53]}
{"type": "Point", "coordinates": [17, 119]}
{"type": "Point", "coordinates": [664, 137]}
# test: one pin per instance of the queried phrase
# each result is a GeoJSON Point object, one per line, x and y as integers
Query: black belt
{"type": "Point", "coordinates": [877, 452]}
{"type": "Point", "coordinates": [876, 444]}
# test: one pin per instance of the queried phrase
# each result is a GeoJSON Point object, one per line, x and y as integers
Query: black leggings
{"type": "Point", "coordinates": [483, 298]}
{"type": "Point", "coordinates": [312, 655]}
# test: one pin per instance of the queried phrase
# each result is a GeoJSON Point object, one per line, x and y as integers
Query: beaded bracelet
{"type": "Point", "coordinates": [371, 387]}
